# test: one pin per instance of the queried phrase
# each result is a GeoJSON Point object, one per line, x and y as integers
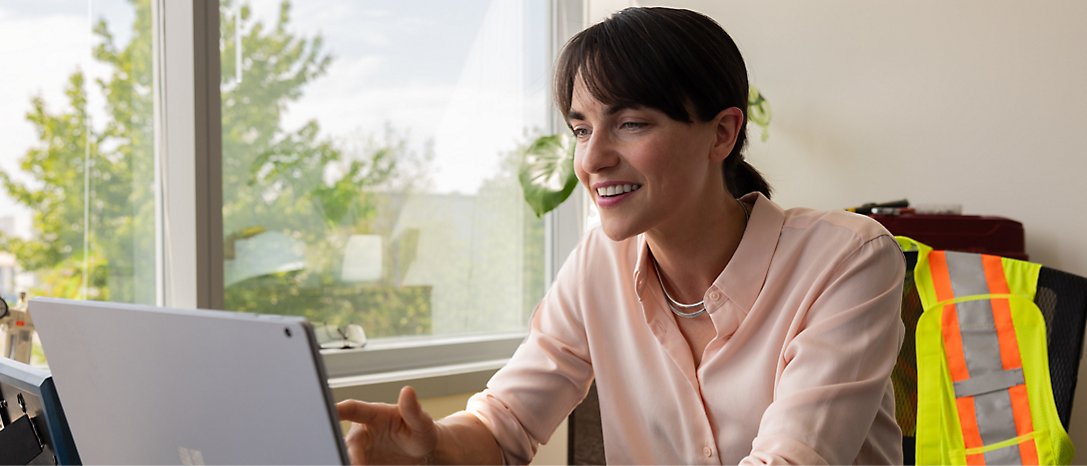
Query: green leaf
{"type": "Point", "coordinates": [547, 173]}
{"type": "Point", "coordinates": [758, 111]}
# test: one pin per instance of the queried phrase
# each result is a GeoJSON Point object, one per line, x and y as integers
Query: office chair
{"type": "Point", "coordinates": [1061, 296]}
{"type": "Point", "coordinates": [585, 444]}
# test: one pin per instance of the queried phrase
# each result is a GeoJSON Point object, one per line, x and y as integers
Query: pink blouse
{"type": "Point", "coordinates": [808, 324]}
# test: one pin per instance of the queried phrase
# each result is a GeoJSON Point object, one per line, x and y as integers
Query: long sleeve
{"type": "Point", "coordinates": [547, 376]}
{"type": "Point", "coordinates": [834, 389]}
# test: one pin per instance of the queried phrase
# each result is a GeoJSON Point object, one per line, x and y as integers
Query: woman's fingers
{"type": "Point", "coordinates": [358, 441]}
{"type": "Point", "coordinates": [412, 412]}
{"type": "Point", "coordinates": [385, 434]}
{"type": "Point", "coordinates": [359, 411]}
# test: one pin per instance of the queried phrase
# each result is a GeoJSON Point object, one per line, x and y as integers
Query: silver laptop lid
{"type": "Point", "coordinates": [151, 385]}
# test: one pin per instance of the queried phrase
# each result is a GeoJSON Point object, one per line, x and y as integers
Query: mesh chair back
{"type": "Point", "coordinates": [1062, 297]}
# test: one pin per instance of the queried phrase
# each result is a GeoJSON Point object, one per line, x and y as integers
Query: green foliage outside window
{"type": "Point", "coordinates": [90, 186]}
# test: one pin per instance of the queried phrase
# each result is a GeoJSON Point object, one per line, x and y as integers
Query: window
{"type": "Point", "coordinates": [369, 154]}
{"type": "Point", "coordinates": [77, 204]}
{"type": "Point", "coordinates": [368, 157]}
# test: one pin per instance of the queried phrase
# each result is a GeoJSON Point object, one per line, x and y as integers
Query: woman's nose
{"type": "Point", "coordinates": [598, 154]}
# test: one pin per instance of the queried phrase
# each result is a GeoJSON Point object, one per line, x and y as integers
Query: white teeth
{"type": "Point", "coordinates": [617, 189]}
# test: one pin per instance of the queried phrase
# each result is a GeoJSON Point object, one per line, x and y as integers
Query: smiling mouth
{"type": "Point", "coordinates": [616, 190]}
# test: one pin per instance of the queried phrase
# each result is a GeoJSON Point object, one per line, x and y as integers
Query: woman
{"type": "Point", "coordinates": [718, 327]}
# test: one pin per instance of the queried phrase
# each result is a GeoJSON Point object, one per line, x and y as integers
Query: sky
{"type": "Point", "coordinates": [469, 76]}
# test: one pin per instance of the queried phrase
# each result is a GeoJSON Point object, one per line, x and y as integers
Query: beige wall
{"type": "Point", "coordinates": [976, 102]}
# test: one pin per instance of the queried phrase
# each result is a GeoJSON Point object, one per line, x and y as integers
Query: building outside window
{"type": "Point", "coordinates": [369, 161]}
{"type": "Point", "coordinates": [368, 153]}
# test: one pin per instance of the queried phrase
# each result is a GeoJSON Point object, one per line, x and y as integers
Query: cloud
{"type": "Point", "coordinates": [474, 115]}
{"type": "Point", "coordinates": [40, 53]}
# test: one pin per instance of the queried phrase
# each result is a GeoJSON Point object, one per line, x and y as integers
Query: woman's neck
{"type": "Point", "coordinates": [692, 254]}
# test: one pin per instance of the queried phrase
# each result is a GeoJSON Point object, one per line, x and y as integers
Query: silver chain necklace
{"type": "Point", "coordinates": [674, 304]}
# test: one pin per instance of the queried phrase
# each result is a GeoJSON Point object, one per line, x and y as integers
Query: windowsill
{"type": "Point", "coordinates": [435, 367]}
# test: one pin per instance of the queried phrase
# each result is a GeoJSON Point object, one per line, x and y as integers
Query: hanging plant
{"type": "Point", "coordinates": [758, 111]}
{"type": "Point", "coordinates": [547, 172]}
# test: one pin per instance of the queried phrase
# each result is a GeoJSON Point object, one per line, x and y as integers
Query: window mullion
{"type": "Point", "coordinates": [188, 153]}
{"type": "Point", "coordinates": [566, 223]}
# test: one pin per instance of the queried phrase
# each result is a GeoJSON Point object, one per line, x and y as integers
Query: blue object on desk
{"type": "Point", "coordinates": [32, 418]}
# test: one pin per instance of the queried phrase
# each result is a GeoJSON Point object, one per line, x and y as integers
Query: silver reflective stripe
{"type": "Point", "coordinates": [995, 421]}
{"type": "Point", "coordinates": [980, 346]}
{"type": "Point", "coordinates": [1006, 455]}
{"type": "Point", "coordinates": [987, 383]}
{"type": "Point", "coordinates": [987, 380]}
{"type": "Point", "coordinates": [967, 274]}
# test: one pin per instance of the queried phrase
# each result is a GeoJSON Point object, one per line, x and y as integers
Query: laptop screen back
{"type": "Point", "coordinates": [151, 385]}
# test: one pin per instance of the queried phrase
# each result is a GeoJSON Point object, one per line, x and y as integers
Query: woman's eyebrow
{"type": "Point", "coordinates": [611, 110]}
{"type": "Point", "coordinates": [620, 106]}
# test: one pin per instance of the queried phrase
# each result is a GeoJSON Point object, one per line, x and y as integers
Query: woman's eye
{"type": "Point", "coordinates": [580, 132]}
{"type": "Point", "coordinates": [632, 125]}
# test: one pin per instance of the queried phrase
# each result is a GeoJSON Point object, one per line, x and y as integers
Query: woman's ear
{"type": "Point", "coordinates": [726, 127]}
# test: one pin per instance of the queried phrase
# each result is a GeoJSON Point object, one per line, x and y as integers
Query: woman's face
{"type": "Point", "coordinates": [644, 170]}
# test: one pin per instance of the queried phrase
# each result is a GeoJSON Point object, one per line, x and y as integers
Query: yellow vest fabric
{"type": "Point", "coordinates": [940, 431]}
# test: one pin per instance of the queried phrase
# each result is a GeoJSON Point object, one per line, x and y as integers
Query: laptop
{"type": "Point", "coordinates": [150, 385]}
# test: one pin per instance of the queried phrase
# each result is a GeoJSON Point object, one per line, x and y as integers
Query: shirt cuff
{"type": "Point", "coordinates": [781, 451]}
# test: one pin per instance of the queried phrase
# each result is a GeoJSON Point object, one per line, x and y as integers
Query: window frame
{"type": "Point", "coordinates": [189, 240]}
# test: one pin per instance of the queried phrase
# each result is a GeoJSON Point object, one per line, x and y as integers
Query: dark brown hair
{"type": "Point", "coordinates": [666, 59]}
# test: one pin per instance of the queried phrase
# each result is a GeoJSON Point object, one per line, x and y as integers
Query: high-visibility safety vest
{"type": "Point", "coordinates": [983, 389]}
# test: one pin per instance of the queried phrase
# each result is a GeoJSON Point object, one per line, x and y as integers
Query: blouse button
{"type": "Point", "coordinates": [715, 296]}
{"type": "Point", "coordinates": [708, 451]}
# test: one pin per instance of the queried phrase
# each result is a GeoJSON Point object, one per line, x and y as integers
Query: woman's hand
{"type": "Point", "coordinates": [382, 433]}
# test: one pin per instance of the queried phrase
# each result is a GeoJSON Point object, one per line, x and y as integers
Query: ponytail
{"type": "Point", "coordinates": [742, 178]}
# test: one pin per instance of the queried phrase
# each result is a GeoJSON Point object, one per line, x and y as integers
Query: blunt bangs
{"type": "Point", "coordinates": [618, 69]}
{"type": "Point", "coordinates": [669, 60]}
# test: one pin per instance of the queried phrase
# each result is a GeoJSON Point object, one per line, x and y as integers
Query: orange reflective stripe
{"type": "Point", "coordinates": [1002, 313]}
{"type": "Point", "coordinates": [971, 436]}
{"type": "Point", "coordinates": [1009, 354]}
{"type": "Point", "coordinates": [994, 274]}
{"type": "Point", "coordinates": [1028, 451]}
{"type": "Point", "coordinates": [941, 281]}
{"type": "Point", "coordinates": [956, 361]}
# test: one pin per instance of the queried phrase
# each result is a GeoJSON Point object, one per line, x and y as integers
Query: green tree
{"type": "Point", "coordinates": [313, 190]}
{"type": "Point", "coordinates": [90, 183]}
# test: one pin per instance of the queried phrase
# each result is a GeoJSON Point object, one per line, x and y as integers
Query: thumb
{"type": "Point", "coordinates": [412, 412]}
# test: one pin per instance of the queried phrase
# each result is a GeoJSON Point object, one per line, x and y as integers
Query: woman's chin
{"type": "Point", "coordinates": [617, 231]}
